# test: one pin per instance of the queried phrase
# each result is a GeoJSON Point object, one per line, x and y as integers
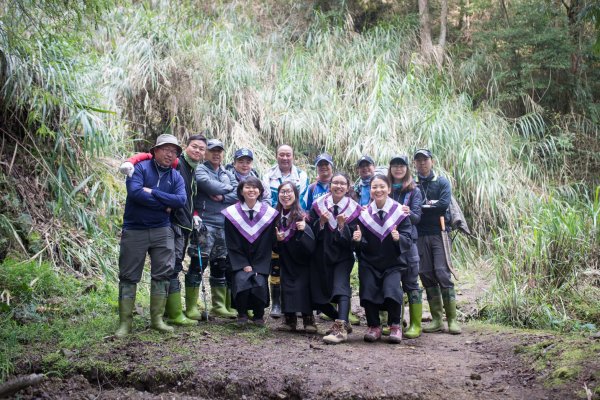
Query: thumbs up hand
{"type": "Point", "coordinates": [341, 221]}
{"type": "Point", "coordinates": [357, 235]}
{"type": "Point", "coordinates": [280, 235]}
{"type": "Point", "coordinates": [395, 234]}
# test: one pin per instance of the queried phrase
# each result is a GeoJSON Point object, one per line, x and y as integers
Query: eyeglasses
{"type": "Point", "coordinates": [286, 192]}
{"type": "Point", "coordinates": [337, 183]}
{"type": "Point", "coordinates": [168, 150]}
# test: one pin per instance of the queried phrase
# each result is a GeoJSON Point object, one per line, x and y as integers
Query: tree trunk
{"type": "Point", "coordinates": [425, 31]}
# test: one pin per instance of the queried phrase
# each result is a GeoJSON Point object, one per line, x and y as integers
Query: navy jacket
{"type": "Point", "coordinates": [413, 199]}
{"type": "Point", "coordinates": [149, 210]}
{"type": "Point", "coordinates": [434, 187]}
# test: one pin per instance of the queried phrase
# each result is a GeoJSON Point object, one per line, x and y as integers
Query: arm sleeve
{"type": "Point", "coordinates": [136, 158]}
{"type": "Point", "coordinates": [405, 231]}
{"type": "Point", "coordinates": [173, 200]}
{"type": "Point", "coordinates": [415, 206]}
{"type": "Point", "coordinates": [135, 190]}
{"type": "Point", "coordinates": [445, 195]}
{"type": "Point", "coordinates": [267, 197]}
{"type": "Point", "coordinates": [237, 254]}
{"type": "Point", "coordinates": [210, 186]}
{"type": "Point", "coordinates": [231, 197]}
{"type": "Point", "coordinates": [303, 190]}
{"type": "Point", "coordinates": [306, 240]}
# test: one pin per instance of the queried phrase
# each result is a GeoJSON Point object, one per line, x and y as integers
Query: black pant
{"type": "Point", "coordinates": [342, 311]}
{"type": "Point", "coordinates": [393, 308]}
{"type": "Point", "coordinates": [245, 301]}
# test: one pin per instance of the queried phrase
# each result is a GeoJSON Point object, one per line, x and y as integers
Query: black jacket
{"type": "Point", "coordinates": [183, 216]}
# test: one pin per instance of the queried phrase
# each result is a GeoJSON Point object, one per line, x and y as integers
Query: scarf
{"type": "Point", "coordinates": [192, 163]}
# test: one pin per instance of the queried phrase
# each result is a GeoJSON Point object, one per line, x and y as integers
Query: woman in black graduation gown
{"type": "Point", "coordinates": [250, 236]}
{"type": "Point", "coordinates": [333, 218]}
{"type": "Point", "coordinates": [382, 241]}
{"type": "Point", "coordinates": [295, 245]}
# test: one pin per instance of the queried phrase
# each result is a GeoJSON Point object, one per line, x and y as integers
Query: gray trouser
{"type": "Point", "coordinates": [433, 268]}
{"type": "Point", "coordinates": [135, 244]}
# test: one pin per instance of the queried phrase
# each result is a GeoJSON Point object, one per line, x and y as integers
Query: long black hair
{"type": "Point", "coordinates": [295, 214]}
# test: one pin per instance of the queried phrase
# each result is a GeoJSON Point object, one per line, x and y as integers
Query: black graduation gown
{"type": "Point", "coordinates": [294, 261]}
{"type": "Point", "coordinates": [381, 264]}
{"type": "Point", "coordinates": [332, 261]}
{"type": "Point", "coordinates": [257, 254]}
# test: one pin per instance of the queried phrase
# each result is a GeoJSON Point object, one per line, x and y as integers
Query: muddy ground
{"type": "Point", "coordinates": [219, 360]}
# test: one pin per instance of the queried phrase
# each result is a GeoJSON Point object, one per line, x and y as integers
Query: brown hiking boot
{"type": "Point", "coordinates": [373, 334]}
{"type": "Point", "coordinates": [309, 324]}
{"type": "Point", "coordinates": [395, 333]}
{"type": "Point", "coordinates": [338, 333]}
{"type": "Point", "coordinates": [289, 324]}
{"type": "Point", "coordinates": [347, 325]}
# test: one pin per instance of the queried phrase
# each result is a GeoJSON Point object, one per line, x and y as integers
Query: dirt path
{"type": "Point", "coordinates": [223, 361]}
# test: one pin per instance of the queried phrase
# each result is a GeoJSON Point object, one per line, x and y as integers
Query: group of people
{"type": "Point", "coordinates": [284, 242]}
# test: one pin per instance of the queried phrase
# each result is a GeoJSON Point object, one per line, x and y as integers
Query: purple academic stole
{"type": "Point", "coordinates": [347, 207]}
{"type": "Point", "coordinates": [251, 230]}
{"type": "Point", "coordinates": [288, 231]}
{"type": "Point", "coordinates": [382, 228]}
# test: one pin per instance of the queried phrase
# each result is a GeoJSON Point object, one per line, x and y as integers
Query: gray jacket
{"type": "Point", "coordinates": [211, 182]}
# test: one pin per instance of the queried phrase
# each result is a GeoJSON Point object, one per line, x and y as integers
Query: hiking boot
{"type": "Point", "coordinates": [338, 333]}
{"type": "Point", "coordinates": [309, 323]}
{"type": "Point", "coordinates": [275, 301]}
{"type": "Point", "coordinates": [373, 334]}
{"type": "Point", "coordinates": [449, 299]}
{"type": "Point", "coordinates": [126, 306]}
{"type": "Point", "coordinates": [434, 298]}
{"type": "Point", "coordinates": [242, 320]}
{"type": "Point", "coordinates": [395, 333]}
{"type": "Point", "coordinates": [158, 300]}
{"type": "Point", "coordinates": [260, 322]}
{"type": "Point", "coordinates": [415, 309]}
{"type": "Point", "coordinates": [289, 324]}
{"type": "Point", "coordinates": [174, 312]}
{"type": "Point", "coordinates": [348, 327]}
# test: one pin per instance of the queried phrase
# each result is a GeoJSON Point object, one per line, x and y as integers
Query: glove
{"type": "Point", "coordinates": [197, 223]}
{"type": "Point", "coordinates": [126, 168]}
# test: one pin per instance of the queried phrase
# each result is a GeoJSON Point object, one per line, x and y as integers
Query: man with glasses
{"type": "Point", "coordinates": [154, 190]}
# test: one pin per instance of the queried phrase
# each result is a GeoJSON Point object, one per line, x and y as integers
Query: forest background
{"type": "Point", "coordinates": [505, 93]}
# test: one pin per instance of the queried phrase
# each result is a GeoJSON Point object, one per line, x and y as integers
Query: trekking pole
{"type": "Point", "coordinates": [202, 287]}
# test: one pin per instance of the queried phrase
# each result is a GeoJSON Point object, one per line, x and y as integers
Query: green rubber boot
{"type": "Point", "coordinates": [449, 299]}
{"type": "Point", "coordinates": [353, 319]}
{"type": "Point", "coordinates": [415, 309]}
{"type": "Point", "coordinates": [228, 302]}
{"type": "Point", "coordinates": [175, 313]}
{"type": "Point", "coordinates": [158, 300]}
{"type": "Point", "coordinates": [126, 305]}
{"type": "Point", "coordinates": [385, 327]}
{"type": "Point", "coordinates": [191, 303]}
{"type": "Point", "coordinates": [434, 298]}
{"type": "Point", "coordinates": [218, 294]}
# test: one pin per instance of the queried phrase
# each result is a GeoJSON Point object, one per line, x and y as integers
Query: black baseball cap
{"type": "Point", "coordinates": [399, 159]}
{"type": "Point", "coordinates": [243, 152]}
{"type": "Point", "coordinates": [424, 152]}
{"type": "Point", "coordinates": [363, 159]}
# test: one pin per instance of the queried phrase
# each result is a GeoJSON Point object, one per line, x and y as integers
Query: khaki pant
{"type": "Point", "coordinates": [135, 244]}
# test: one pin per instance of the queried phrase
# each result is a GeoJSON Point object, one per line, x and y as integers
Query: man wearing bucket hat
{"type": "Point", "coordinates": [216, 191]}
{"type": "Point", "coordinates": [153, 191]}
{"type": "Point", "coordinates": [434, 272]}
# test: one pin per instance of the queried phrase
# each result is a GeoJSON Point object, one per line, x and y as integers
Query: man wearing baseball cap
{"type": "Point", "coordinates": [434, 272]}
{"type": "Point", "coordinates": [366, 171]}
{"type": "Point", "coordinates": [324, 165]}
{"type": "Point", "coordinates": [242, 164]}
{"type": "Point", "coordinates": [153, 191]}
{"type": "Point", "coordinates": [216, 191]}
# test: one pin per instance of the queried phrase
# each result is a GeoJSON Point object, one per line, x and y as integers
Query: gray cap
{"type": "Point", "coordinates": [423, 152]}
{"type": "Point", "coordinates": [167, 138]}
{"type": "Point", "coordinates": [365, 159]}
{"type": "Point", "coordinates": [399, 159]}
{"type": "Point", "coordinates": [214, 144]}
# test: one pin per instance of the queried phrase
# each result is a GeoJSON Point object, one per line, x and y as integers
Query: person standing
{"type": "Point", "coordinates": [154, 190]}
{"type": "Point", "coordinates": [382, 242]}
{"type": "Point", "coordinates": [366, 171]}
{"type": "Point", "coordinates": [406, 193]}
{"type": "Point", "coordinates": [284, 171]}
{"type": "Point", "coordinates": [434, 272]}
{"type": "Point", "coordinates": [216, 191]}
{"type": "Point", "coordinates": [295, 245]}
{"type": "Point", "coordinates": [332, 218]}
{"type": "Point", "coordinates": [324, 165]}
{"type": "Point", "coordinates": [242, 164]}
{"type": "Point", "coordinates": [250, 233]}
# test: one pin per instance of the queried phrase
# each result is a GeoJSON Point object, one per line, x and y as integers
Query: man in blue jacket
{"type": "Point", "coordinates": [154, 191]}
{"type": "Point", "coordinates": [434, 271]}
